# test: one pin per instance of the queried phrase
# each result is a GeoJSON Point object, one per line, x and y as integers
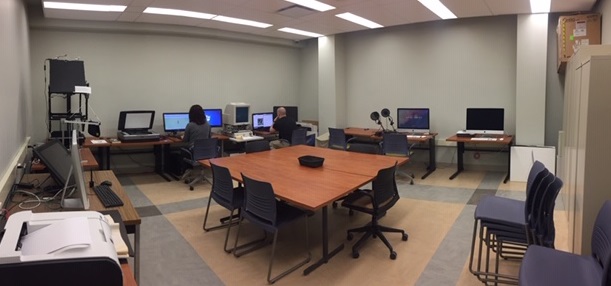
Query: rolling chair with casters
{"type": "Point", "coordinates": [263, 210]}
{"type": "Point", "coordinates": [359, 148]}
{"type": "Point", "coordinates": [337, 139]}
{"type": "Point", "coordinates": [256, 146]}
{"type": "Point", "coordinates": [299, 137]}
{"type": "Point", "coordinates": [227, 196]}
{"type": "Point", "coordinates": [397, 145]}
{"type": "Point", "coordinates": [202, 149]}
{"type": "Point", "coordinates": [543, 266]}
{"type": "Point", "coordinates": [375, 202]}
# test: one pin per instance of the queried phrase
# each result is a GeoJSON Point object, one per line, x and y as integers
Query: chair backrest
{"type": "Point", "coordinates": [385, 192]}
{"type": "Point", "coordinates": [299, 136]}
{"type": "Point", "coordinates": [533, 186]}
{"type": "Point", "coordinates": [256, 146]}
{"type": "Point", "coordinates": [395, 145]}
{"type": "Point", "coordinates": [532, 205]}
{"type": "Point", "coordinates": [205, 149]}
{"type": "Point", "coordinates": [337, 138]}
{"type": "Point", "coordinates": [259, 200]}
{"type": "Point", "coordinates": [535, 169]}
{"type": "Point", "coordinates": [601, 241]}
{"type": "Point", "coordinates": [363, 148]}
{"type": "Point", "coordinates": [222, 183]}
{"type": "Point", "coordinates": [545, 226]}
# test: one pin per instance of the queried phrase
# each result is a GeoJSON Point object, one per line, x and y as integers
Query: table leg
{"type": "Point", "coordinates": [325, 245]}
{"type": "Point", "coordinates": [106, 157]}
{"type": "Point", "coordinates": [158, 150]}
{"type": "Point", "coordinates": [432, 160]}
{"type": "Point", "coordinates": [460, 146]}
{"type": "Point", "coordinates": [508, 164]}
{"type": "Point", "coordinates": [137, 255]}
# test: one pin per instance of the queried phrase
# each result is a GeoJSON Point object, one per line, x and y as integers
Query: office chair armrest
{"type": "Point", "coordinates": [186, 153]}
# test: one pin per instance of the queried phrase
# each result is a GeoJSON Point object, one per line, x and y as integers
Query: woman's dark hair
{"type": "Point", "coordinates": [197, 115]}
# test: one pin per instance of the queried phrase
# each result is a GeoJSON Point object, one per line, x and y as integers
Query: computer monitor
{"type": "Point", "coordinates": [175, 121]}
{"type": "Point", "coordinates": [237, 113]}
{"type": "Point", "coordinates": [57, 160]}
{"type": "Point", "coordinates": [214, 117]}
{"type": "Point", "coordinates": [485, 120]}
{"type": "Point", "coordinates": [136, 120]}
{"type": "Point", "coordinates": [416, 120]}
{"type": "Point", "coordinates": [79, 199]}
{"type": "Point", "coordinates": [262, 120]}
{"type": "Point", "coordinates": [291, 112]}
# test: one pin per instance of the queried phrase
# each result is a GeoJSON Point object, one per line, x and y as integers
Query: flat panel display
{"type": "Point", "coordinates": [175, 121]}
{"type": "Point", "coordinates": [413, 119]}
{"type": "Point", "coordinates": [214, 117]}
{"type": "Point", "coordinates": [485, 120]}
{"type": "Point", "coordinates": [291, 112]}
{"type": "Point", "coordinates": [57, 159]}
{"type": "Point", "coordinates": [262, 120]}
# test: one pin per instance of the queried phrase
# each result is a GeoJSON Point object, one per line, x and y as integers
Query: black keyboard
{"type": "Point", "coordinates": [107, 196]}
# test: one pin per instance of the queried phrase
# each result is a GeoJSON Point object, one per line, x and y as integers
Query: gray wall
{"type": "Point", "coordinates": [14, 85]}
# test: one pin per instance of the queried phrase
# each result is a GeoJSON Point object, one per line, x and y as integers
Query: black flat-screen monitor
{"type": "Point", "coordinates": [136, 120]}
{"type": "Point", "coordinates": [175, 121]}
{"type": "Point", "coordinates": [485, 120]}
{"type": "Point", "coordinates": [291, 112]}
{"type": "Point", "coordinates": [415, 120]}
{"type": "Point", "coordinates": [57, 159]}
{"type": "Point", "coordinates": [262, 120]}
{"type": "Point", "coordinates": [214, 117]}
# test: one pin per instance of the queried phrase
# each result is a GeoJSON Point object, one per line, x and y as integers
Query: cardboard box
{"type": "Point", "coordinates": [576, 30]}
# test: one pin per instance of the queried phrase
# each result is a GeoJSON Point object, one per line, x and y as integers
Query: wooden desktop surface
{"type": "Point", "coordinates": [87, 159]}
{"type": "Point", "coordinates": [309, 188]}
{"type": "Point", "coordinates": [501, 139]}
{"type": "Point", "coordinates": [371, 134]}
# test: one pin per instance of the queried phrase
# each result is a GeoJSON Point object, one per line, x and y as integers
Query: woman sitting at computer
{"type": "Point", "coordinates": [198, 127]}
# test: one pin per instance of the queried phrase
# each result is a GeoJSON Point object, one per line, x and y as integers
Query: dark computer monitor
{"type": "Point", "coordinates": [262, 120]}
{"type": "Point", "coordinates": [415, 120]}
{"type": "Point", "coordinates": [291, 112]}
{"type": "Point", "coordinates": [57, 159]}
{"type": "Point", "coordinates": [485, 120]}
{"type": "Point", "coordinates": [214, 117]}
{"type": "Point", "coordinates": [136, 120]}
{"type": "Point", "coordinates": [175, 121]}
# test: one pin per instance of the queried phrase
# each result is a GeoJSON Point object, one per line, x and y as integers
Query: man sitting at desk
{"type": "Point", "coordinates": [285, 126]}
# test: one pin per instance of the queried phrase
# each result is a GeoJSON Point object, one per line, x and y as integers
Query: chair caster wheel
{"type": "Point", "coordinates": [404, 237]}
{"type": "Point", "coordinates": [334, 205]}
{"type": "Point", "coordinates": [355, 255]}
{"type": "Point", "coordinates": [191, 188]}
{"type": "Point", "coordinates": [186, 181]}
{"type": "Point", "coordinates": [349, 237]}
{"type": "Point", "coordinates": [393, 255]}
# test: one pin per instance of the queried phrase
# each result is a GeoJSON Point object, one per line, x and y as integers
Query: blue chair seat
{"type": "Point", "coordinates": [501, 210]}
{"type": "Point", "coordinates": [567, 268]}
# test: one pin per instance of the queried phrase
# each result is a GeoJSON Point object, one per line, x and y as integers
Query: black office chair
{"type": "Point", "coordinates": [262, 209]}
{"type": "Point", "coordinates": [394, 144]}
{"type": "Point", "coordinates": [299, 137]}
{"type": "Point", "coordinates": [375, 202]}
{"type": "Point", "coordinates": [227, 196]}
{"type": "Point", "coordinates": [366, 148]}
{"type": "Point", "coordinates": [256, 146]}
{"type": "Point", "coordinates": [337, 138]}
{"type": "Point", "coordinates": [202, 149]}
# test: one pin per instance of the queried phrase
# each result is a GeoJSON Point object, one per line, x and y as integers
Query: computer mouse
{"type": "Point", "coordinates": [106, 183]}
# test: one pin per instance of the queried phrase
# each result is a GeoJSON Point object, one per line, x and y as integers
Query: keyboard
{"type": "Point", "coordinates": [107, 196]}
{"type": "Point", "coordinates": [484, 139]}
{"type": "Point", "coordinates": [415, 136]}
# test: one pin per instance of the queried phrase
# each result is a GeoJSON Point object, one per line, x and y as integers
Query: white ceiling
{"type": "Point", "coordinates": [384, 12]}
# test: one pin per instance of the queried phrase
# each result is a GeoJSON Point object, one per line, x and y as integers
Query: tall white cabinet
{"type": "Point", "coordinates": [585, 151]}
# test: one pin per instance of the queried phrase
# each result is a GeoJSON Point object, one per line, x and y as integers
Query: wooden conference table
{"type": "Point", "coordinates": [429, 139]}
{"type": "Point", "coordinates": [309, 188]}
{"type": "Point", "coordinates": [491, 141]}
{"type": "Point", "coordinates": [128, 213]}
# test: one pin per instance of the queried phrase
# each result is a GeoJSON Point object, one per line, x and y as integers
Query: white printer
{"type": "Point", "coordinates": [58, 248]}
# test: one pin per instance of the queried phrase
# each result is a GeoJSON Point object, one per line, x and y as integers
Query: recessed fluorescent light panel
{"type": "Point", "coordinates": [241, 21]}
{"type": "Point", "coordinates": [313, 4]}
{"type": "Point", "coordinates": [540, 6]}
{"type": "Point", "coordinates": [180, 13]}
{"type": "Point", "coordinates": [300, 32]}
{"type": "Point", "coordinates": [438, 8]}
{"type": "Point", "coordinates": [84, 7]}
{"type": "Point", "coordinates": [359, 20]}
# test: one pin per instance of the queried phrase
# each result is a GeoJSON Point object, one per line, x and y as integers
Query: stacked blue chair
{"type": "Point", "coordinates": [544, 266]}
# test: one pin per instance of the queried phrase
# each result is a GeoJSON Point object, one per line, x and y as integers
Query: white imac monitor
{"type": "Point", "coordinates": [486, 121]}
{"type": "Point", "coordinates": [413, 120]}
{"type": "Point", "coordinates": [237, 113]}
{"type": "Point", "coordinates": [80, 199]}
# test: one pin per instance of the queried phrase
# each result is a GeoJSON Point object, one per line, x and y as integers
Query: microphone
{"type": "Point", "coordinates": [386, 114]}
{"type": "Point", "coordinates": [375, 116]}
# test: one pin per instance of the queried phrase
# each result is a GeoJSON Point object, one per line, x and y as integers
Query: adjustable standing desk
{"type": "Point", "coordinates": [498, 141]}
{"type": "Point", "coordinates": [429, 139]}
{"type": "Point", "coordinates": [309, 188]}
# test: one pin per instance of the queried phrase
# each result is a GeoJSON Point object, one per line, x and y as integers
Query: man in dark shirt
{"type": "Point", "coordinates": [284, 126]}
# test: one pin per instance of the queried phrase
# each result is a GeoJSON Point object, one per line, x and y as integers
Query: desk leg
{"type": "Point", "coordinates": [325, 245]}
{"type": "Point", "coordinates": [432, 160]}
{"type": "Point", "coordinates": [460, 146]}
{"type": "Point", "coordinates": [160, 161]}
{"type": "Point", "coordinates": [508, 164]}
{"type": "Point", "coordinates": [105, 156]}
{"type": "Point", "coordinates": [137, 256]}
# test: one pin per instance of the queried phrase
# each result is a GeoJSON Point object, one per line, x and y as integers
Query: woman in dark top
{"type": "Point", "coordinates": [198, 127]}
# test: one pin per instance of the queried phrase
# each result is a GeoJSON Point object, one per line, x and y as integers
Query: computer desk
{"type": "Point", "coordinates": [309, 188]}
{"type": "Point", "coordinates": [500, 140]}
{"type": "Point", "coordinates": [87, 159]}
{"type": "Point", "coordinates": [128, 213]}
{"type": "Point", "coordinates": [428, 138]}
